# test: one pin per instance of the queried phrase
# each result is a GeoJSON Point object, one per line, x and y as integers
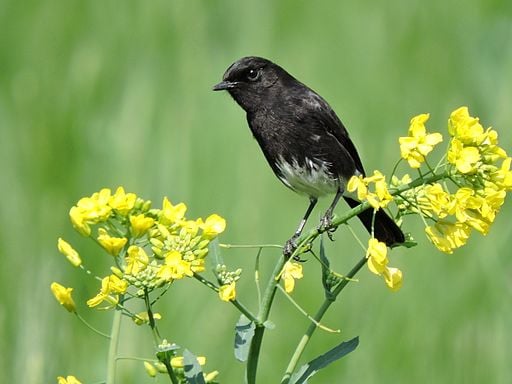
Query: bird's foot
{"type": "Point", "coordinates": [290, 246]}
{"type": "Point", "coordinates": [326, 226]}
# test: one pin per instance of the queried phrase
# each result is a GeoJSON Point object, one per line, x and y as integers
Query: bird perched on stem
{"type": "Point", "coordinates": [303, 140]}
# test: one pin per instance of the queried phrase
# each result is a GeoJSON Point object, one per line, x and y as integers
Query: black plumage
{"type": "Point", "coordinates": [302, 139]}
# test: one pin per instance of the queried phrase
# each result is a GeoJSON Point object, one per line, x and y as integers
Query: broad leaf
{"type": "Point", "coordinates": [192, 368]}
{"type": "Point", "coordinates": [243, 337]}
{"type": "Point", "coordinates": [309, 369]}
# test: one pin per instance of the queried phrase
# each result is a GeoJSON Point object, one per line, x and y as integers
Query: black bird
{"type": "Point", "coordinates": [302, 139]}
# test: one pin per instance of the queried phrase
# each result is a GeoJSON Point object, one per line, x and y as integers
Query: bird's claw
{"type": "Point", "coordinates": [290, 246]}
{"type": "Point", "coordinates": [326, 226]}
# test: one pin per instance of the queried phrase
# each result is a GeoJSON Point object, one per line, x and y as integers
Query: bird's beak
{"type": "Point", "coordinates": [223, 85]}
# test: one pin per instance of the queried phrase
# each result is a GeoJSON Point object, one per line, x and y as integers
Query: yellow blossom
{"type": "Point", "coordinates": [174, 267]}
{"type": "Point", "coordinates": [211, 376]}
{"type": "Point", "coordinates": [291, 271]}
{"type": "Point", "coordinates": [63, 296]}
{"type": "Point", "coordinates": [78, 221]}
{"type": "Point", "coordinates": [68, 380]}
{"type": "Point", "coordinates": [213, 226]}
{"type": "Point", "coordinates": [448, 236]}
{"type": "Point", "coordinates": [178, 361]}
{"type": "Point", "coordinates": [501, 178]}
{"type": "Point", "coordinates": [140, 224]}
{"type": "Point", "coordinates": [393, 278]}
{"type": "Point", "coordinates": [357, 183]}
{"type": "Point", "coordinates": [433, 197]}
{"type": "Point", "coordinates": [464, 158]}
{"type": "Point", "coordinates": [227, 292]}
{"type": "Point", "coordinates": [122, 202]}
{"type": "Point", "coordinates": [418, 143]}
{"type": "Point", "coordinates": [377, 256]}
{"type": "Point", "coordinates": [112, 245]}
{"type": "Point", "coordinates": [465, 128]}
{"type": "Point", "coordinates": [111, 286]}
{"type": "Point", "coordinates": [172, 213]}
{"type": "Point", "coordinates": [136, 260]}
{"type": "Point", "coordinates": [67, 250]}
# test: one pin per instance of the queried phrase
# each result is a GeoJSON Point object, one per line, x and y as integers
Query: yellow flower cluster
{"type": "Point", "coordinates": [373, 189]}
{"type": "Point", "coordinates": [377, 255]}
{"type": "Point", "coordinates": [150, 247]}
{"type": "Point", "coordinates": [480, 171]}
{"type": "Point", "coordinates": [68, 380]}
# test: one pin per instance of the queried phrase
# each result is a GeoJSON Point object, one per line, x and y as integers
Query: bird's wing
{"type": "Point", "coordinates": [316, 109]}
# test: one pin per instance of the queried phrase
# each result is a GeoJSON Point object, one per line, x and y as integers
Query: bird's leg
{"type": "Point", "coordinates": [326, 220]}
{"type": "Point", "coordinates": [291, 244]}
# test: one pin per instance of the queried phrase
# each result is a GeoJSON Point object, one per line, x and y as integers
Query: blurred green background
{"type": "Point", "coordinates": [108, 93]}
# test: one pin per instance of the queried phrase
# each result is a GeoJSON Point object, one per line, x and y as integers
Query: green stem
{"type": "Point", "coordinates": [112, 349]}
{"type": "Point", "coordinates": [312, 327]}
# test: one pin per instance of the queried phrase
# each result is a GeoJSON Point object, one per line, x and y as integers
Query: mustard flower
{"type": "Point", "coordinates": [122, 202]}
{"type": "Point", "coordinates": [174, 267]}
{"type": "Point", "coordinates": [143, 317]}
{"type": "Point", "coordinates": [227, 292]}
{"type": "Point", "coordinates": [172, 214]}
{"type": "Point", "coordinates": [447, 236]}
{"type": "Point", "coordinates": [63, 296]}
{"type": "Point", "coordinates": [150, 369]}
{"type": "Point", "coordinates": [213, 226]}
{"type": "Point", "coordinates": [136, 260]}
{"type": "Point", "coordinates": [140, 224]}
{"type": "Point", "coordinates": [68, 380]}
{"type": "Point", "coordinates": [418, 143]}
{"type": "Point", "coordinates": [112, 245]}
{"type": "Point", "coordinates": [291, 272]}
{"type": "Point", "coordinates": [465, 128]}
{"type": "Point", "coordinates": [67, 250]}
{"type": "Point", "coordinates": [464, 158]}
{"type": "Point", "coordinates": [377, 256]}
{"type": "Point", "coordinates": [393, 278]}
{"type": "Point", "coordinates": [111, 286]}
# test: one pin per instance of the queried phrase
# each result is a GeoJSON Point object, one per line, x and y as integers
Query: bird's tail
{"type": "Point", "coordinates": [385, 228]}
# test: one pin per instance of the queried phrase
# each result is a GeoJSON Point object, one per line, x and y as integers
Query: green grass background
{"type": "Point", "coordinates": [108, 93]}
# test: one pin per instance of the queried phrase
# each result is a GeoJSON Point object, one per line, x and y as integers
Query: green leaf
{"type": "Point", "coordinates": [309, 369]}
{"type": "Point", "coordinates": [243, 336]}
{"type": "Point", "coordinates": [192, 368]}
{"type": "Point", "coordinates": [328, 279]}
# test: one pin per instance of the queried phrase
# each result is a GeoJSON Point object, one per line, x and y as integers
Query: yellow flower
{"type": "Point", "coordinates": [178, 361]}
{"type": "Point", "coordinates": [122, 202]}
{"type": "Point", "coordinates": [140, 224]}
{"type": "Point", "coordinates": [501, 178]}
{"type": "Point", "coordinates": [448, 236]}
{"type": "Point", "coordinates": [136, 260]}
{"type": "Point", "coordinates": [464, 158]}
{"type": "Point", "coordinates": [211, 376]}
{"type": "Point", "coordinates": [67, 250]}
{"type": "Point", "coordinates": [377, 256]}
{"type": "Point", "coordinates": [418, 144]}
{"type": "Point", "coordinates": [227, 292]}
{"type": "Point", "coordinates": [469, 208]}
{"type": "Point", "coordinates": [63, 296]}
{"type": "Point", "coordinates": [174, 267]}
{"type": "Point", "coordinates": [78, 220]}
{"type": "Point", "coordinates": [357, 183]}
{"type": "Point", "coordinates": [393, 278]}
{"type": "Point", "coordinates": [465, 128]}
{"type": "Point", "coordinates": [112, 245]}
{"type": "Point", "coordinates": [109, 285]}
{"type": "Point", "coordinates": [291, 271]}
{"type": "Point", "coordinates": [213, 226]}
{"type": "Point", "coordinates": [172, 213]}
{"type": "Point", "coordinates": [434, 198]}
{"type": "Point", "coordinates": [68, 380]}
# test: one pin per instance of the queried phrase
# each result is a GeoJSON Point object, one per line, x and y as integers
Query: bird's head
{"type": "Point", "coordinates": [251, 81]}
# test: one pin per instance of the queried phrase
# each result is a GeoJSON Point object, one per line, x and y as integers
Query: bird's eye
{"type": "Point", "coordinates": [253, 74]}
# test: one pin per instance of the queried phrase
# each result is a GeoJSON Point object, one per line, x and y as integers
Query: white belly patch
{"type": "Point", "coordinates": [312, 178]}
